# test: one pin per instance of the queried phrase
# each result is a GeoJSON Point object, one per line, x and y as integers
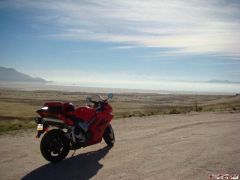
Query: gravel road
{"type": "Point", "coordinates": [179, 147]}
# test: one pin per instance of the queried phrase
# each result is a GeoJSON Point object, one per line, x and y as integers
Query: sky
{"type": "Point", "coordinates": [122, 43]}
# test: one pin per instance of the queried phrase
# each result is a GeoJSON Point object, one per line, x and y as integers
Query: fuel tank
{"type": "Point", "coordinates": [85, 113]}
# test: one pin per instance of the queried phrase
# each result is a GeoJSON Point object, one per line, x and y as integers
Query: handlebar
{"type": "Point", "coordinates": [102, 100]}
{"type": "Point", "coordinates": [99, 104]}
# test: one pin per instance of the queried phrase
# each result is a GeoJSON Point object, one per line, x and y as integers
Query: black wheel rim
{"type": "Point", "coordinates": [55, 146]}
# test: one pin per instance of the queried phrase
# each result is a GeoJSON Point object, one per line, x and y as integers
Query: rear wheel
{"type": "Point", "coordinates": [54, 145]}
{"type": "Point", "coordinates": [109, 136]}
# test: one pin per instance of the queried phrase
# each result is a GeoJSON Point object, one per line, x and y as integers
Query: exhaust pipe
{"type": "Point", "coordinates": [53, 121]}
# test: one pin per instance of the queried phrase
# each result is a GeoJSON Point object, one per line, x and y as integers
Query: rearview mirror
{"type": "Point", "coordinates": [110, 95]}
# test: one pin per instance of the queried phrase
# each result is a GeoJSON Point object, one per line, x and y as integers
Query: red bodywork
{"type": "Point", "coordinates": [99, 119]}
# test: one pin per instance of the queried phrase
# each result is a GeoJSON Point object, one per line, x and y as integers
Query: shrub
{"type": "Point", "coordinates": [199, 109]}
{"type": "Point", "coordinates": [174, 111]}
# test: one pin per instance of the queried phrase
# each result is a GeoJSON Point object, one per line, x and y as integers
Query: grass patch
{"type": "Point", "coordinates": [11, 125]}
{"type": "Point", "coordinates": [17, 108]}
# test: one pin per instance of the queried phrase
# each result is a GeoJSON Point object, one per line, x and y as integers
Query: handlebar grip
{"type": "Point", "coordinates": [95, 102]}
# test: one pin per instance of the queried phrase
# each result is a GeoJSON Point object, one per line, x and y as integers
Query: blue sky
{"type": "Point", "coordinates": [122, 42]}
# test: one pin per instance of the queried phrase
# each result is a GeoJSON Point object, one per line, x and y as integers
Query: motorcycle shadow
{"type": "Point", "coordinates": [82, 166]}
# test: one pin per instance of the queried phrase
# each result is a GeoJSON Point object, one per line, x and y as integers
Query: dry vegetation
{"type": "Point", "coordinates": [17, 108]}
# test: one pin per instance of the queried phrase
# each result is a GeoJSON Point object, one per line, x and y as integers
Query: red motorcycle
{"type": "Point", "coordinates": [75, 127]}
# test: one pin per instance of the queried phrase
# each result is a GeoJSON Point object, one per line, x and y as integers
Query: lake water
{"type": "Point", "coordinates": [164, 87]}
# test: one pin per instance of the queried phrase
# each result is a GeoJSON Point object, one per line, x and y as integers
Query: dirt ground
{"type": "Point", "coordinates": [186, 146]}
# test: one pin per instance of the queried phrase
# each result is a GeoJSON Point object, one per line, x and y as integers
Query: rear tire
{"type": "Point", "coordinates": [109, 136]}
{"type": "Point", "coordinates": [54, 145]}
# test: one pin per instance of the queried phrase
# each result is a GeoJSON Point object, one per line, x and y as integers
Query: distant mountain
{"type": "Point", "coordinates": [221, 81]}
{"type": "Point", "coordinates": [11, 75]}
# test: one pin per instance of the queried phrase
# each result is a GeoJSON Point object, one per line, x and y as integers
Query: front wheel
{"type": "Point", "coordinates": [109, 136]}
{"type": "Point", "coordinates": [54, 145]}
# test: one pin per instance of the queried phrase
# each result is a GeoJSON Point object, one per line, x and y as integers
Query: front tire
{"type": "Point", "coordinates": [54, 145]}
{"type": "Point", "coordinates": [109, 136]}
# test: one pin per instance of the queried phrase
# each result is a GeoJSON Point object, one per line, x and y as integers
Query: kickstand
{"type": "Point", "coordinates": [73, 153]}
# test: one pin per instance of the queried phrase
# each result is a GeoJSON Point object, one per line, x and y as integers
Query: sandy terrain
{"type": "Point", "coordinates": [187, 146]}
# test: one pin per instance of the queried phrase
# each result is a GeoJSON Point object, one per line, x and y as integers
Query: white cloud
{"type": "Point", "coordinates": [191, 27]}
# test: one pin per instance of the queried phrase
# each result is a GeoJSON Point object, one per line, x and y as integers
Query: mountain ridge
{"type": "Point", "coordinates": [222, 81]}
{"type": "Point", "coordinates": [12, 75]}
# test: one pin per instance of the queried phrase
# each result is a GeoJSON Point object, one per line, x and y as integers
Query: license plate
{"type": "Point", "coordinates": [39, 127]}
